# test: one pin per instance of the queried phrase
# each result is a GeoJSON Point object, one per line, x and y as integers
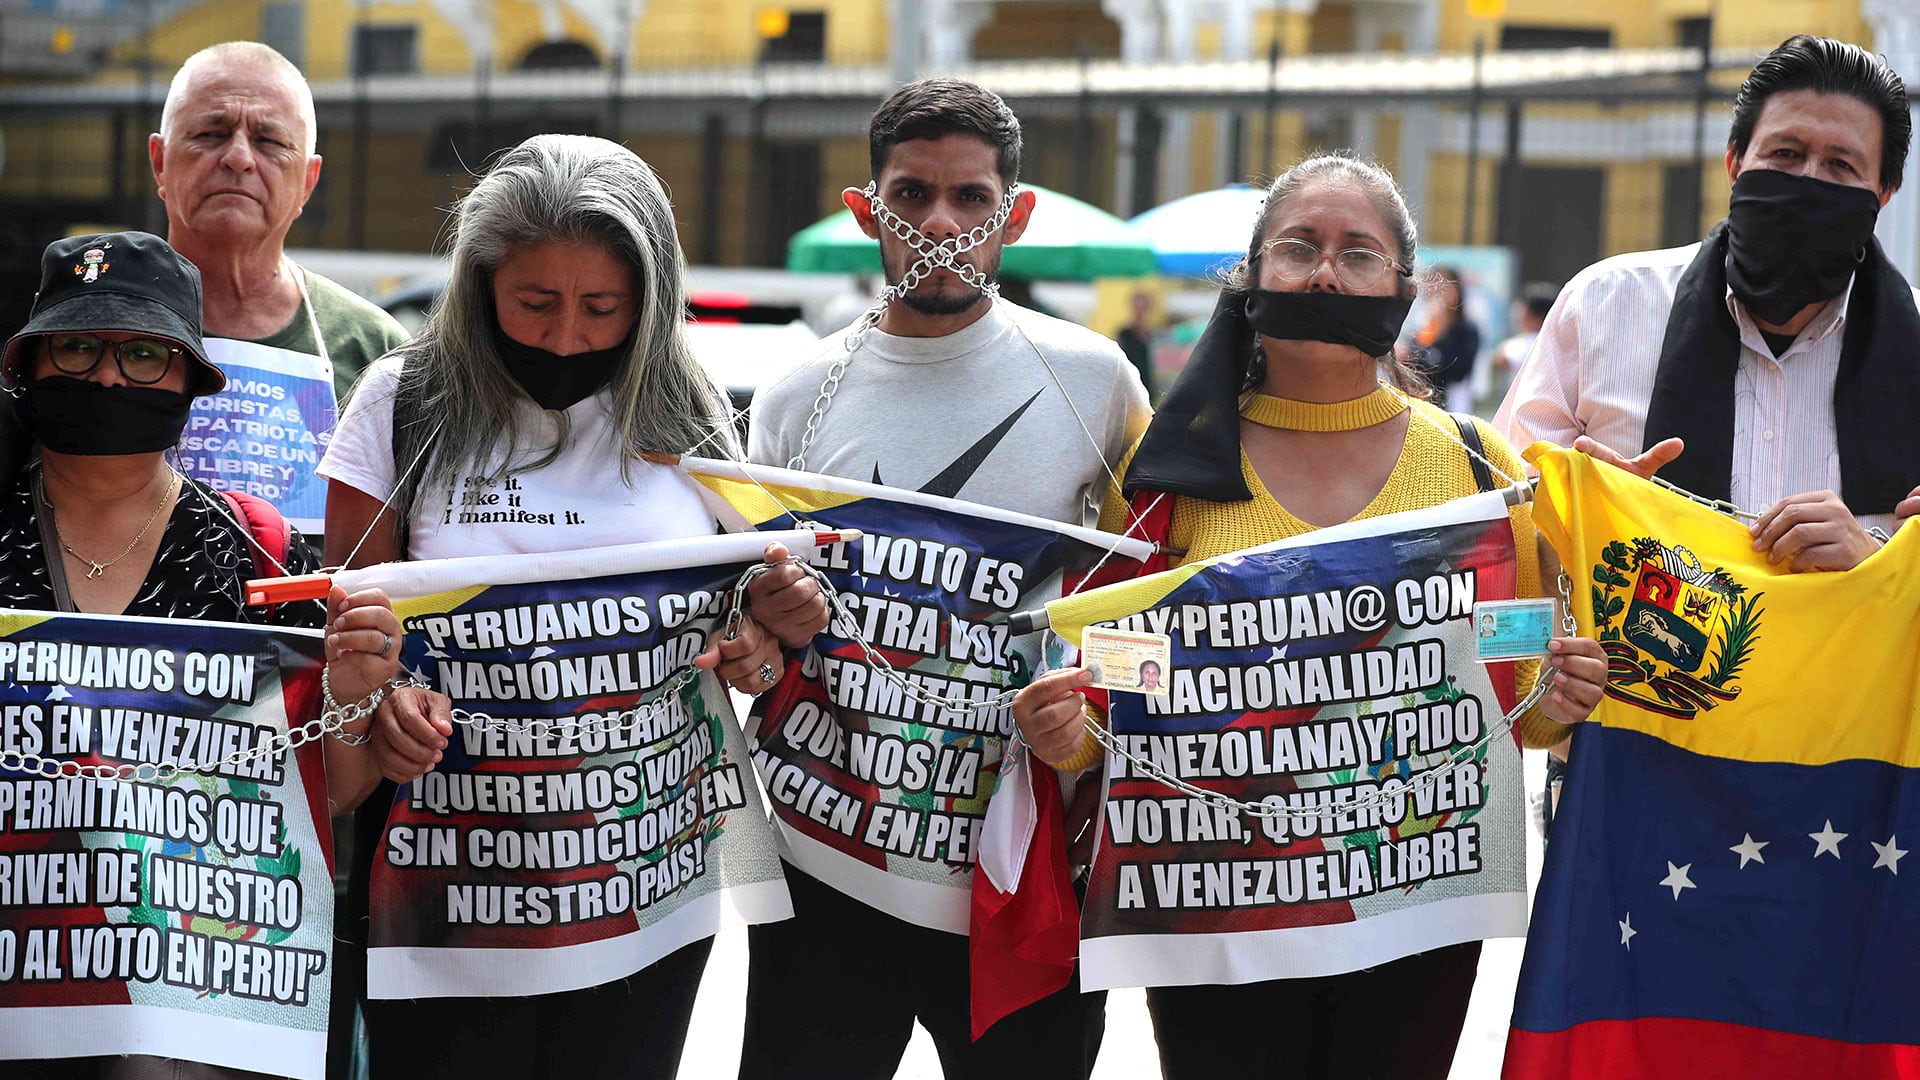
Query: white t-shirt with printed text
{"type": "Point", "coordinates": [581, 499]}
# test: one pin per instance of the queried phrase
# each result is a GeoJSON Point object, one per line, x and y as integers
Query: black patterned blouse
{"type": "Point", "coordinates": [198, 573]}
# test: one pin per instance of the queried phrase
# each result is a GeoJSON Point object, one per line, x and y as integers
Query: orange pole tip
{"type": "Point", "coordinates": [264, 591]}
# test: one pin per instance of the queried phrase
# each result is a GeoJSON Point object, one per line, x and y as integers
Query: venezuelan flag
{"type": "Point", "coordinates": [1724, 893]}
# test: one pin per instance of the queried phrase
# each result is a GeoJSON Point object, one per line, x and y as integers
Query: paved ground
{"type": "Point", "coordinates": [713, 1045]}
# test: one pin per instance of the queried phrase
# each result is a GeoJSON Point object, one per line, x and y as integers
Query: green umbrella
{"type": "Point", "coordinates": [1068, 240]}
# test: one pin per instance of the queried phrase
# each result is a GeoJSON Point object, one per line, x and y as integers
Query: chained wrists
{"type": "Point", "coordinates": [338, 716]}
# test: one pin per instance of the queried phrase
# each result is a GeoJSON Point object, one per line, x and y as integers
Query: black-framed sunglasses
{"type": "Point", "coordinates": [142, 360]}
{"type": "Point", "coordinates": [1295, 260]}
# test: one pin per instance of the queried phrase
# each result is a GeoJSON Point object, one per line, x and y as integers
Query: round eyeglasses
{"type": "Point", "coordinates": [1358, 269]}
{"type": "Point", "coordinates": [142, 360]}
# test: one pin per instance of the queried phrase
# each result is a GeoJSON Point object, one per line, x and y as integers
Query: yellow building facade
{"type": "Point", "coordinates": [1599, 176]}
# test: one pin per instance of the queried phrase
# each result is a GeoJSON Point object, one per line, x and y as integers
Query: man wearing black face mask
{"type": "Point", "coordinates": [1772, 364]}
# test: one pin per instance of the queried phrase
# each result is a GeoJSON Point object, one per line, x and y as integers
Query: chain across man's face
{"type": "Point", "coordinates": [930, 256]}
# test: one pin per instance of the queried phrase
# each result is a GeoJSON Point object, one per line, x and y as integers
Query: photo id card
{"type": "Point", "coordinates": [1128, 661]}
{"type": "Point", "coordinates": [1513, 629]}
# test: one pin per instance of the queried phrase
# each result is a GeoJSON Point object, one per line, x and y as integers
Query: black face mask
{"type": "Point", "coordinates": [1794, 240]}
{"type": "Point", "coordinates": [1368, 323]}
{"type": "Point", "coordinates": [80, 416]}
{"type": "Point", "coordinates": [554, 381]}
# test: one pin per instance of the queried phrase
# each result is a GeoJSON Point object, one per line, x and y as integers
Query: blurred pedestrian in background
{"type": "Point", "coordinates": [1447, 342]}
{"type": "Point", "coordinates": [1136, 339]}
{"type": "Point", "coordinates": [1529, 312]}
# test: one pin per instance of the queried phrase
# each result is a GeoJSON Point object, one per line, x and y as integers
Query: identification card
{"type": "Point", "coordinates": [1127, 660]}
{"type": "Point", "coordinates": [1513, 629]}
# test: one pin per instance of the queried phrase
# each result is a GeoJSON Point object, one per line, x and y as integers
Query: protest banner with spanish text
{"type": "Point", "coordinates": [187, 916]}
{"type": "Point", "coordinates": [1333, 675]}
{"type": "Point", "coordinates": [877, 793]}
{"type": "Point", "coordinates": [265, 433]}
{"type": "Point", "coordinates": [598, 815]}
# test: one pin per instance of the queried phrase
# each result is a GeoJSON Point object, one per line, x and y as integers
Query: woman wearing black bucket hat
{"type": "Point", "coordinates": [1280, 425]}
{"type": "Point", "coordinates": [93, 518]}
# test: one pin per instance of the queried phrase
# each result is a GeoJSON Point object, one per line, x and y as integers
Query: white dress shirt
{"type": "Point", "coordinates": [1591, 373]}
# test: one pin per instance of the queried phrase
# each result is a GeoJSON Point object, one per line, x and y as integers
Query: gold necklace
{"type": "Point", "coordinates": [95, 569]}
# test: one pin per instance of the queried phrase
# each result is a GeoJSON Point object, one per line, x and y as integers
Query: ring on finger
{"type": "Point", "coordinates": [768, 676]}
{"type": "Point", "coordinates": [386, 644]}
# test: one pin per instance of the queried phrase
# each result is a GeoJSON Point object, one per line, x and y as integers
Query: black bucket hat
{"type": "Point", "coordinates": [130, 282]}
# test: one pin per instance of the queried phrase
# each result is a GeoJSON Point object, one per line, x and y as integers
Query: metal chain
{"type": "Point", "coordinates": [1724, 506]}
{"type": "Point", "coordinates": [840, 617]}
{"type": "Point", "coordinates": [329, 722]}
{"type": "Point", "coordinates": [356, 711]}
{"type": "Point", "coordinates": [931, 255]}
{"type": "Point", "coordinates": [623, 720]}
{"type": "Point", "coordinates": [334, 717]}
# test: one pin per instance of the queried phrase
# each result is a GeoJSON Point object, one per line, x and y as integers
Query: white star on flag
{"type": "Point", "coordinates": [436, 653]}
{"type": "Point", "coordinates": [1749, 850]}
{"type": "Point", "coordinates": [1627, 931]}
{"type": "Point", "coordinates": [544, 650]}
{"type": "Point", "coordinates": [1890, 855]}
{"type": "Point", "coordinates": [56, 692]}
{"type": "Point", "coordinates": [1677, 879]}
{"type": "Point", "coordinates": [1279, 653]}
{"type": "Point", "coordinates": [1826, 840]}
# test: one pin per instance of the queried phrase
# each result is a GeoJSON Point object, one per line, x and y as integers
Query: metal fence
{"type": "Point", "coordinates": [1564, 155]}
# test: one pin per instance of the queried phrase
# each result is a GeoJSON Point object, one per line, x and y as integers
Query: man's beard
{"type": "Point", "coordinates": [937, 304]}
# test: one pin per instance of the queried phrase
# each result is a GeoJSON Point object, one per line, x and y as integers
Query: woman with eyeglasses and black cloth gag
{"type": "Point", "coordinates": [93, 518]}
{"type": "Point", "coordinates": [1280, 425]}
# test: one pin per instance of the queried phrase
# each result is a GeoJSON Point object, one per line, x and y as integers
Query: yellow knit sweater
{"type": "Point", "coordinates": [1433, 468]}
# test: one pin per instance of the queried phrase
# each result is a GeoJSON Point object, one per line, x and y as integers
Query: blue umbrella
{"type": "Point", "coordinates": [1197, 234]}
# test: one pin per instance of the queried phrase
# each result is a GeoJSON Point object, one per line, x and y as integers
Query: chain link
{"type": "Point", "coordinates": [931, 255]}
{"type": "Point", "coordinates": [623, 720]}
{"type": "Point", "coordinates": [839, 617]}
{"type": "Point", "coordinates": [166, 771]}
{"type": "Point", "coordinates": [334, 717]}
{"type": "Point", "coordinates": [359, 710]}
{"type": "Point", "coordinates": [1724, 506]}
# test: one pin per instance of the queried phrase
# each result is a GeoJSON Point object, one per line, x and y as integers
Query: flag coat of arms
{"type": "Point", "coordinates": [1724, 891]}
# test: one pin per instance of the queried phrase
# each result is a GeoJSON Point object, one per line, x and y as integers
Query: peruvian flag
{"type": "Point", "coordinates": [1025, 925]}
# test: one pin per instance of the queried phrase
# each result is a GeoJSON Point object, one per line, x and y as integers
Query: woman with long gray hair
{"type": "Point", "coordinates": [538, 411]}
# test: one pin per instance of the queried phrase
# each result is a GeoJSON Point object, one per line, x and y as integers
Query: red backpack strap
{"type": "Point", "coordinates": [268, 531]}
